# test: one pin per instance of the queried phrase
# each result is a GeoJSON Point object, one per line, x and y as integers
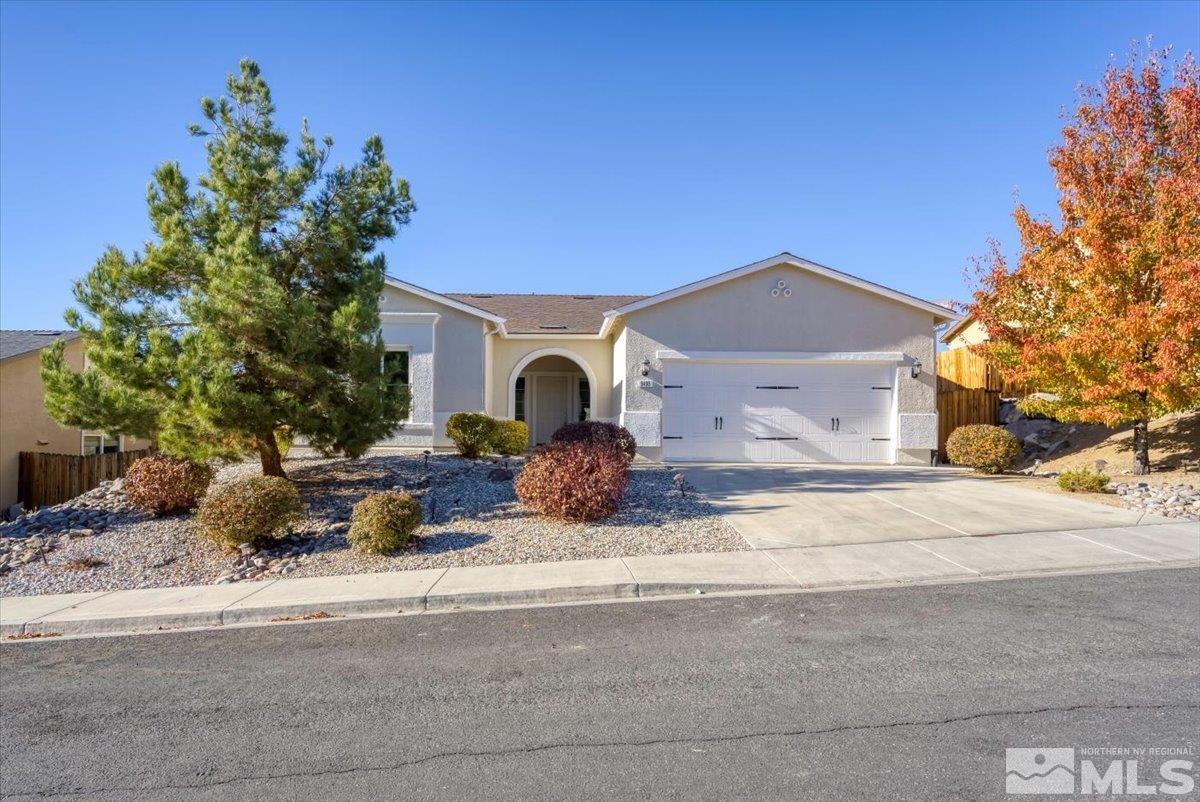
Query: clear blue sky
{"type": "Point", "coordinates": [582, 147]}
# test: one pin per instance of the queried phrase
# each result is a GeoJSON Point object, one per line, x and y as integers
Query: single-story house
{"type": "Point", "coordinates": [782, 360]}
{"type": "Point", "coordinates": [964, 333]}
{"type": "Point", "coordinates": [24, 424]}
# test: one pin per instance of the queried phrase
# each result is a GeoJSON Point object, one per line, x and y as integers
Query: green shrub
{"type": "Point", "coordinates": [251, 510]}
{"type": "Point", "coordinates": [510, 438]}
{"type": "Point", "coordinates": [384, 522]}
{"type": "Point", "coordinates": [1083, 481]}
{"type": "Point", "coordinates": [160, 484]}
{"type": "Point", "coordinates": [574, 481]}
{"type": "Point", "coordinates": [472, 432]}
{"type": "Point", "coordinates": [987, 449]}
{"type": "Point", "coordinates": [598, 433]}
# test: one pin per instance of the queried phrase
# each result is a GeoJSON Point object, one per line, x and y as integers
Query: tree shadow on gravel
{"type": "Point", "coordinates": [444, 542]}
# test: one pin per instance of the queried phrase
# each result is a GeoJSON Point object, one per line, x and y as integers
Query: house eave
{"type": "Point", "coordinates": [956, 328]}
{"type": "Point", "coordinates": [437, 297]}
{"type": "Point", "coordinates": [940, 313]}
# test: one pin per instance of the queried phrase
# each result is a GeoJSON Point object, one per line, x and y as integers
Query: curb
{"type": "Point", "coordinates": [796, 570]}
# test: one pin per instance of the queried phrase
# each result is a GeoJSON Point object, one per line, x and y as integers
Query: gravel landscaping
{"type": "Point", "coordinates": [1171, 500]}
{"type": "Point", "coordinates": [472, 517]}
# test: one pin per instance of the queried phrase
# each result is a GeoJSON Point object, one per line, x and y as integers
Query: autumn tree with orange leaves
{"type": "Point", "coordinates": [1103, 309]}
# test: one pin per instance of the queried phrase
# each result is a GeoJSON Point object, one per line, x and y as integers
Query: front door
{"type": "Point", "coordinates": [551, 406]}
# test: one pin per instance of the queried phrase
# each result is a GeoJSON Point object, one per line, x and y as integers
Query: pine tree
{"type": "Point", "coordinates": [256, 306]}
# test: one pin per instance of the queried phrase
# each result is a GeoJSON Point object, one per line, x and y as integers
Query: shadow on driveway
{"type": "Point", "coordinates": [776, 506]}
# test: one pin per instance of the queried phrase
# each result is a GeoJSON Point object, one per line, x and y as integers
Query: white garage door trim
{"type": "Point", "coordinates": [779, 407]}
{"type": "Point", "coordinates": [888, 357]}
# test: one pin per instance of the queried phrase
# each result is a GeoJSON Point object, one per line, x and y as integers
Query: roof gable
{"type": "Point", "coordinates": [785, 258]}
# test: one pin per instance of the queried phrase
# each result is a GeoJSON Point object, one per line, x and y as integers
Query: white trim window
{"type": "Point", "coordinates": [581, 404]}
{"type": "Point", "coordinates": [583, 399]}
{"type": "Point", "coordinates": [93, 442]}
{"type": "Point", "coordinates": [396, 364]}
{"type": "Point", "coordinates": [519, 399]}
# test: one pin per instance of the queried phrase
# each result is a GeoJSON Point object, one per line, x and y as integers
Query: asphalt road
{"type": "Point", "coordinates": [884, 694]}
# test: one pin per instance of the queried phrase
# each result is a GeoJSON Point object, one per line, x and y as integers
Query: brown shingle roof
{"type": "Point", "coordinates": [547, 314]}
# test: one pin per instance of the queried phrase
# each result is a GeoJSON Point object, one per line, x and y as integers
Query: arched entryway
{"type": "Point", "coordinates": [548, 388]}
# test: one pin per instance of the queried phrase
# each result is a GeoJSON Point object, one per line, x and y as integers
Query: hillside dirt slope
{"type": "Point", "coordinates": [1174, 450]}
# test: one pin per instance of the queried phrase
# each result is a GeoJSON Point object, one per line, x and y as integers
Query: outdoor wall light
{"type": "Point", "coordinates": [645, 367]}
{"type": "Point", "coordinates": [916, 368]}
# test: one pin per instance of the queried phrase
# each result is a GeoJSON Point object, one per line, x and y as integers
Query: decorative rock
{"type": "Point", "coordinates": [490, 528]}
{"type": "Point", "coordinates": [1172, 501]}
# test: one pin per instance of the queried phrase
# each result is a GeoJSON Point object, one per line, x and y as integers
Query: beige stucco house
{"type": "Point", "coordinates": [782, 360]}
{"type": "Point", "coordinates": [24, 424]}
{"type": "Point", "coordinates": [964, 333]}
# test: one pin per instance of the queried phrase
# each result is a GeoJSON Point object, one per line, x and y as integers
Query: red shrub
{"type": "Point", "coordinates": [160, 484]}
{"type": "Point", "coordinates": [574, 481]}
{"type": "Point", "coordinates": [597, 433]}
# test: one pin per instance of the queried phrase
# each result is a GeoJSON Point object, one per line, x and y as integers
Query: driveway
{"type": "Point", "coordinates": [779, 506]}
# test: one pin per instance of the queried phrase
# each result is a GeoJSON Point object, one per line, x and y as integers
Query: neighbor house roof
{"type": "Point", "coordinates": [784, 258]}
{"type": "Point", "coordinates": [546, 314]}
{"type": "Point", "coordinates": [956, 328]}
{"type": "Point", "coordinates": [14, 342]}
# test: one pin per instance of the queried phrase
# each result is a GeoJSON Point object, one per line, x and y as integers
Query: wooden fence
{"type": "Point", "coordinates": [959, 369]}
{"type": "Point", "coordinates": [45, 479]}
{"type": "Point", "coordinates": [961, 407]}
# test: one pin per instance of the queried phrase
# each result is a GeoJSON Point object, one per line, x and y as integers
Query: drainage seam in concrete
{"type": "Point", "coordinates": [781, 568]}
{"type": "Point", "coordinates": [429, 590]}
{"type": "Point", "coordinates": [637, 585]}
{"type": "Point", "coordinates": [919, 514]}
{"type": "Point", "coordinates": [25, 625]}
{"type": "Point", "coordinates": [265, 585]}
{"type": "Point", "coordinates": [1113, 548]}
{"type": "Point", "coordinates": [947, 559]}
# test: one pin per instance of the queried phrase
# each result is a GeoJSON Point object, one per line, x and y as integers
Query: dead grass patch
{"type": "Point", "coordinates": [315, 616]}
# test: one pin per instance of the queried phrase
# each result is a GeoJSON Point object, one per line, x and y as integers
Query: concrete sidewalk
{"type": "Point", "coordinates": [447, 589]}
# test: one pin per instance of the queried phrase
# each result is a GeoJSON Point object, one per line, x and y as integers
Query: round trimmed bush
{"type": "Point", "coordinates": [253, 510]}
{"type": "Point", "coordinates": [510, 438]}
{"type": "Point", "coordinates": [384, 522]}
{"type": "Point", "coordinates": [987, 449]}
{"type": "Point", "coordinates": [597, 433]}
{"type": "Point", "coordinates": [574, 481]}
{"type": "Point", "coordinates": [161, 485]}
{"type": "Point", "coordinates": [472, 432]}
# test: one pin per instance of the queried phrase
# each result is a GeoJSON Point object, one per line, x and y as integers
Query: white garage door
{"type": "Point", "coordinates": [739, 412]}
